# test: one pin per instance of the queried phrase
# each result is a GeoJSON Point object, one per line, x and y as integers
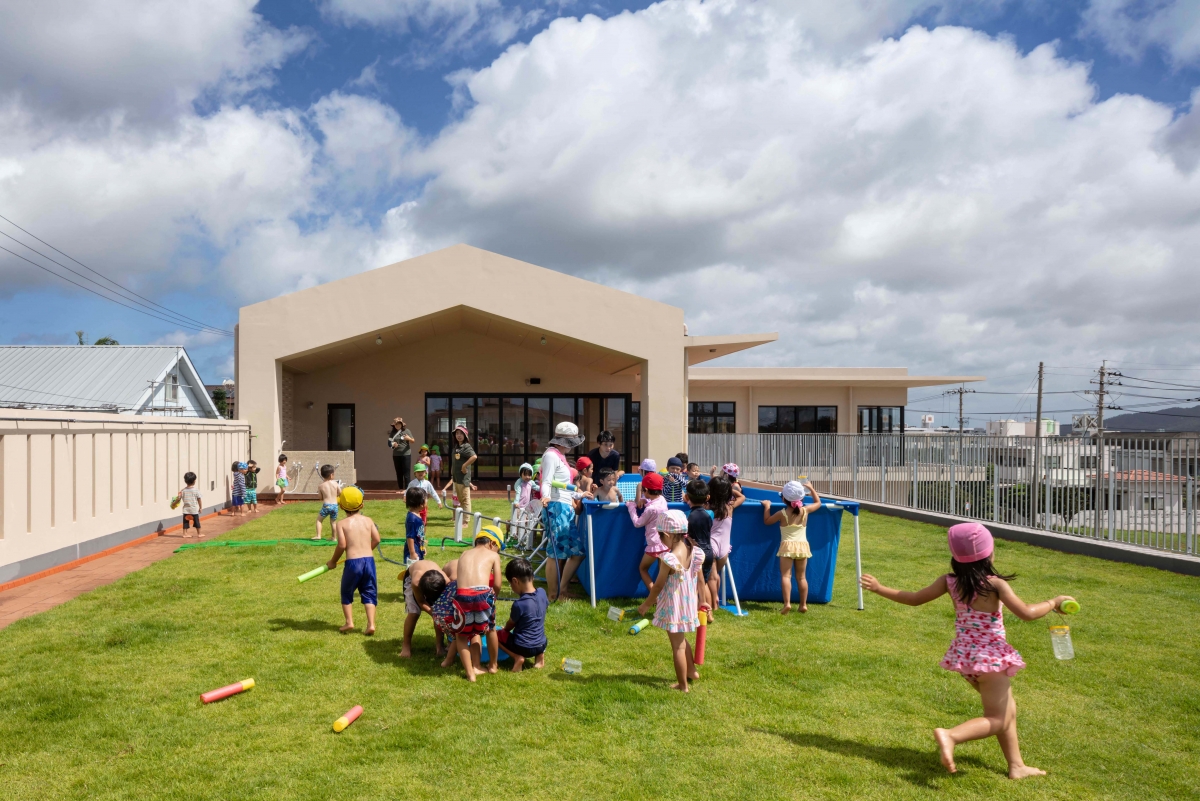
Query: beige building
{"type": "Point", "coordinates": [463, 335]}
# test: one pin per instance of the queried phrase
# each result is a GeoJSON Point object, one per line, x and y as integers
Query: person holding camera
{"type": "Point", "coordinates": [400, 440]}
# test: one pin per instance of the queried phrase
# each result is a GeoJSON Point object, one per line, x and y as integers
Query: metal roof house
{"type": "Point", "coordinates": [145, 380]}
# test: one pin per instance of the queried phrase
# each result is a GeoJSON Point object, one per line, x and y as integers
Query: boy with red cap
{"type": "Point", "coordinates": [655, 508]}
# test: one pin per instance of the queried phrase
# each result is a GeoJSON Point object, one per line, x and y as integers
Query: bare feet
{"type": "Point", "coordinates": [1024, 772]}
{"type": "Point", "coordinates": [804, 609]}
{"type": "Point", "coordinates": [406, 652]}
{"type": "Point", "coordinates": [518, 664]}
{"type": "Point", "coordinates": [540, 662]}
{"type": "Point", "coordinates": [786, 608]}
{"type": "Point", "coordinates": [682, 687]}
{"type": "Point", "coordinates": [369, 631]}
{"type": "Point", "coordinates": [347, 627]}
{"type": "Point", "coordinates": [695, 674]}
{"type": "Point", "coordinates": [945, 749]}
{"type": "Point", "coordinates": [449, 660]}
{"type": "Point", "coordinates": [493, 668]}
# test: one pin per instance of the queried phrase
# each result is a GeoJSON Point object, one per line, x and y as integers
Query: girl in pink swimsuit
{"type": "Point", "coordinates": [721, 502]}
{"type": "Point", "coordinates": [979, 652]}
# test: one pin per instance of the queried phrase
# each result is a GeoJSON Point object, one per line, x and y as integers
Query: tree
{"type": "Point", "coordinates": [219, 399]}
{"type": "Point", "coordinates": [79, 335]}
{"type": "Point", "coordinates": [106, 341]}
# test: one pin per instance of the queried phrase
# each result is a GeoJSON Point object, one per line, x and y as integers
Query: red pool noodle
{"type": "Point", "coordinates": [226, 691]}
{"type": "Point", "coordinates": [701, 632]}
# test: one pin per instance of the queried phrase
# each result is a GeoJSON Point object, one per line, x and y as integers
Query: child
{"type": "Point", "coordinates": [414, 525]}
{"type": "Point", "coordinates": [731, 472]}
{"type": "Point", "coordinates": [423, 583]}
{"type": "Point", "coordinates": [793, 539]}
{"type": "Point", "coordinates": [239, 487]}
{"type": "Point", "coordinates": [252, 470]}
{"type": "Point", "coordinates": [281, 480]}
{"type": "Point", "coordinates": [422, 483]}
{"type": "Point", "coordinates": [435, 466]}
{"type": "Point", "coordinates": [675, 595]}
{"type": "Point", "coordinates": [693, 471]}
{"type": "Point", "coordinates": [647, 467]}
{"type": "Point", "coordinates": [467, 606]}
{"type": "Point", "coordinates": [585, 482]}
{"type": "Point", "coordinates": [191, 502]}
{"type": "Point", "coordinates": [606, 486]}
{"type": "Point", "coordinates": [651, 487]}
{"type": "Point", "coordinates": [700, 522]}
{"type": "Point", "coordinates": [721, 503]}
{"type": "Point", "coordinates": [524, 635]}
{"type": "Point", "coordinates": [523, 486]}
{"type": "Point", "coordinates": [979, 651]}
{"type": "Point", "coordinates": [423, 457]}
{"type": "Point", "coordinates": [674, 482]}
{"type": "Point", "coordinates": [357, 537]}
{"type": "Point", "coordinates": [329, 500]}
{"type": "Point", "coordinates": [682, 457]}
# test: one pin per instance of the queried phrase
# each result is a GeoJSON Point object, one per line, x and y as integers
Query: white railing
{"type": "Point", "coordinates": [1139, 490]}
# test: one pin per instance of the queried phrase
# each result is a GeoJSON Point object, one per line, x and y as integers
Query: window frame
{"type": "Point", "coordinates": [796, 418]}
{"type": "Point", "coordinates": [721, 417]}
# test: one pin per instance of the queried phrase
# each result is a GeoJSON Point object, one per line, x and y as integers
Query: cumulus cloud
{"type": "Point", "coordinates": [452, 23]}
{"type": "Point", "coordinates": [1131, 27]}
{"type": "Point", "coordinates": [144, 59]}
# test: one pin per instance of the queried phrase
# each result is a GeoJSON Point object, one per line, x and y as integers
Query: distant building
{"type": "Point", "coordinates": [230, 391]}
{"type": "Point", "coordinates": [132, 379]}
{"type": "Point", "coordinates": [1017, 428]}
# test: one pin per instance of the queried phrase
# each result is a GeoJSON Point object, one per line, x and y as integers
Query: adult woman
{"type": "Point", "coordinates": [563, 541]}
{"type": "Point", "coordinates": [400, 440]}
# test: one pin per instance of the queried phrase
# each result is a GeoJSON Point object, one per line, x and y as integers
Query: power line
{"type": "Point", "coordinates": [106, 297]}
{"type": "Point", "coordinates": [128, 291]}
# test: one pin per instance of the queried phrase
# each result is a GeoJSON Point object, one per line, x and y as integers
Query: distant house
{"type": "Point", "coordinates": [148, 380]}
{"type": "Point", "coordinates": [230, 397]}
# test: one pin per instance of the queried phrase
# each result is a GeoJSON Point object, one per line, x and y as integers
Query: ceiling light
{"type": "Point", "coordinates": [543, 340]}
{"type": "Point", "coordinates": [378, 340]}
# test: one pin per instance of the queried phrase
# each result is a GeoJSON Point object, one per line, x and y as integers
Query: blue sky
{"type": "Point", "coordinates": [240, 151]}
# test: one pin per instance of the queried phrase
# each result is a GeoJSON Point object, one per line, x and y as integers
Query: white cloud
{"type": "Point", "coordinates": [1131, 27]}
{"type": "Point", "coordinates": [453, 23]}
{"type": "Point", "coordinates": [136, 58]}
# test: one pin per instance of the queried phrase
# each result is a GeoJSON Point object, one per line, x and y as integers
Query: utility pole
{"type": "Point", "coordinates": [1037, 441]}
{"type": "Point", "coordinates": [1103, 376]}
{"type": "Point", "coordinates": [960, 392]}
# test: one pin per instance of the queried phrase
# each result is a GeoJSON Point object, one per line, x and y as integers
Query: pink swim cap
{"type": "Point", "coordinates": [970, 542]}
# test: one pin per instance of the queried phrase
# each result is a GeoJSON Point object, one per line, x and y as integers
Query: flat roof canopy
{"type": "Point", "coordinates": [820, 376]}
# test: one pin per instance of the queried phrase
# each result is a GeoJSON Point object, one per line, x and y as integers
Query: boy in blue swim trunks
{"type": "Point", "coordinates": [329, 500]}
{"type": "Point", "coordinates": [356, 537]}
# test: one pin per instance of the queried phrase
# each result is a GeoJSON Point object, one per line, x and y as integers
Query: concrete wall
{"type": "Point", "coordinates": [847, 399]}
{"type": "Point", "coordinates": [394, 384]}
{"type": "Point", "coordinates": [74, 484]}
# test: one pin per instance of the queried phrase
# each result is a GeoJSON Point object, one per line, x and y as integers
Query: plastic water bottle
{"type": "Point", "coordinates": [616, 615]}
{"type": "Point", "coordinates": [1060, 640]}
{"type": "Point", "coordinates": [572, 665]}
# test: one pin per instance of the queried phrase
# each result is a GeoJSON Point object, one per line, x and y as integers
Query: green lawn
{"type": "Point", "coordinates": [98, 697]}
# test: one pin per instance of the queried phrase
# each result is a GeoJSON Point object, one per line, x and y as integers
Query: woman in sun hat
{"type": "Point", "coordinates": [980, 652]}
{"type": "Point", "coordinates": [460, 466]}
{"type": "Point", "coordinates": [563, 540]}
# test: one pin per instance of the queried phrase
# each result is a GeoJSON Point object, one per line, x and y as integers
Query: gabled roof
{"type": "Point", "coordinates": [96, 377]}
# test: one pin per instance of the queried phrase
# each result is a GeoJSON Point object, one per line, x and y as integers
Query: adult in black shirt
{"type": "Point", "coordinates": [700, 533]}
{"type": "Point", "coordinates": [605, 455]}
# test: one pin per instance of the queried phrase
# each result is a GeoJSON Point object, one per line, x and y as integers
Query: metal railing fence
{"type": "Point", "coordinates": [1139, 490]}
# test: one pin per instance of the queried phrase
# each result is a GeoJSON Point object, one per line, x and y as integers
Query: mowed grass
{"type": "Point", "coordinates": [98, 697]}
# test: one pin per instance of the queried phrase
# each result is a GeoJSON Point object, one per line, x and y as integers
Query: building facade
{"type": "Point", "coordinates": [465, 336]}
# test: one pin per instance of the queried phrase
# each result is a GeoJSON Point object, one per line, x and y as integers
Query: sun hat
{"type": "Point", "coordinates": [466, 433]}
{"type": "Point", "coordinates": [419, 468]}
{"type": "Point", "coordinates": [242, 466]}
{"type": "Point", "coordinates": [652, 482]}
{"type": "Point", "coordinates": [424, 447]}
{"type": "Point", "coordinates": [730, 469]}
{"type": "Point", "coordinates": [437, 449]}
{"type": "Point", "coordinates": [649, 466]}
{"type": "Point", "coordinates": [493, 534]}
{"type": "Point", "coordinates": [674, 461]}
{"type": "Point", "coordinates": [525, 466]}
{"type": "Point", "coordinates": [673, 522]}
{"type": "Point", "coordinates": [350, 498]}
{"type": "Point", "coordinates": [793, 491]}
{"type": "Point", "coordinates": [970, 542]}
{"type": "Point", "coordinates": [566, 435]}
{"type": "Point", "coordinates": [583, 463]}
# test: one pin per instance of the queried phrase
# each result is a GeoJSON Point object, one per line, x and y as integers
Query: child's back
{"type": "Point", "coordinates": [476, 565]}
{"type": "Point", "coordinates": [358, 534]}
{"type": "Point", "coordinates": [329, 491]}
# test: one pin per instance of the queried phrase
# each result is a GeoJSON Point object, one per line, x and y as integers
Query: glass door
{"type": "Point", "coordinates": [487, 438]}
{"type": "Point", "coordinates": [512, 436]}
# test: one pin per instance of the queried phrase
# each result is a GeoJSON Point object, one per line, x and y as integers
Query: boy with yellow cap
{"type": "Point", "coordinates": [357, 537]}
{"type": "Point", "coordinates": [472, 612]}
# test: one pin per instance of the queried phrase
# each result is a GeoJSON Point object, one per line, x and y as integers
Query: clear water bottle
{"type": "Point", "coordinates": [572, 665]}
{"type": "Point", "coordinates": [1060, 640]}
{"type": "Point", "coordinates": [615, 614]}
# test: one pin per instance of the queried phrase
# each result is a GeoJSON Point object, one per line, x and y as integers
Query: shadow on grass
{"type": "Point", "coordinates": [914, 766]}
{"type": "Point", "coordinates": [593, 678]}
{"type": "Point", "coordinates": [423, 662]}
{"type": "Point", "coordinates": [281, 623]}
{"type": "Point", "coordinates": [390, 597]}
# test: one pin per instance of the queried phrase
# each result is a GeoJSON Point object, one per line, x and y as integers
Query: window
{"type": "Point", "coordinates": [797, 419]}
{"type": "Point", "coordinates": [709, 417]}
{"type": "Point", "coordinates": [172, 388]}
{"type": "Point", "coordinates": [341, 427]}
{"type": "Point", "coordinates": [880, 419]}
